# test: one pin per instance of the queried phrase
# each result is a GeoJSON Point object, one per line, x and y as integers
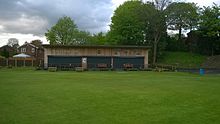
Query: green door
{"type": "Point", "coordinates": [120, 62]}
{"type": "Point", "coordinates": [94, 61]}
{"type": "Point", "coordinates": [58, 61]}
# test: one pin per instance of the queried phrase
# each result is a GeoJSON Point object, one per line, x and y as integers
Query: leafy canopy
{"type": "Point", "coordinates": [180, 15]}
{"type": "Point", "coordinates": [210, 21]}
{"type": "Point", "coordinates": [127, 25]}
{"type": "Point", "coordinates": [65, 32]}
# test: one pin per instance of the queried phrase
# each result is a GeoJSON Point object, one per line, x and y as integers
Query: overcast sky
{"type": "Point", "coordinates": [27, 20]}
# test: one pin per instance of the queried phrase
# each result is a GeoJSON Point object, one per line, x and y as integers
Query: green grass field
{"type": "Point", "coordinates": [41, 97]}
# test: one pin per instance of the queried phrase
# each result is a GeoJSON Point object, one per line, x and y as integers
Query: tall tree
{"type": "Point", "coordinates": [145, 25]}
{"type": "Point", "coordinates": [181, 15]}
{"type": "Point", "coordinates": [206, 39]}
{"type": "Point", "coordinates": [126, 25]}
{"type": "Point", "coordinates": [65, 32]}
{"type": "Point", "coordinates": [210, 21]}
{"type": "Point", "coordinates": [158, 28]}
{"type": "Point", "coordinates": [155, 24]}
{"type": "Point", "coordinates": [210, 28]}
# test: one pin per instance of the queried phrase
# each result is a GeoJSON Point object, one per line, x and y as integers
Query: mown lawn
{"type": "Point", "coordinates": [41, 97]}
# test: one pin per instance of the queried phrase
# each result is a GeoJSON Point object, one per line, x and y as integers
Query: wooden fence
{"type": "Point", "coordinates": [19, 62]}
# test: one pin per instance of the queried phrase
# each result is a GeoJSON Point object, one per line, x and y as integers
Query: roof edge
{"type": "Point", "coordinates": [94, 46]}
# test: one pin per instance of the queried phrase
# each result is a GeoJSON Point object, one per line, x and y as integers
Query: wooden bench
{"type": "Point", "coordinates": [128, 65]}
{"type": "Point", "coordinates": [79, 69]}
{"type": "Point", "coordinates": [52, 69]}
{"type": "Point", "coordinates": [102, 66]}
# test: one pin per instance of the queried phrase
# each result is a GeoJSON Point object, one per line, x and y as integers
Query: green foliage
{"type": "Point", "coordinates": [210, 21]}
{"type": "Point", "coordinates": [174, 44]}
{"type": "Point", "coordinates": [158, 31]}
{"type": "Point", "coordinates": [65, 32]}
{"type": "Point", "coordinates": [82, 37]}
{"type": "Point", "coordinates": [203, 44]}
{"type": "Point", "coordinates": [181, 15]}
{"type": "Point", "coordinates": [206, 40]}
{"type": "Point", "coordinates": [127, 26]}
{"type": "Point", "coordinates": [182, 59]}
{"type": "Point", "coordinates": [28, 96]}
{"type": "Point", "coordinates": [5, 53]}
{"type": "Point", "coordinates": [210, 28]}
{"type": "Point", "coordinates": [99, 39]}
{"type": "Point", "coordinates": [37, 43]}
{"type": "Point", "coordinates": [145, 25]}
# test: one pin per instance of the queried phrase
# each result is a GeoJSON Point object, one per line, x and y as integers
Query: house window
{"type": "Point", "coordinates": [32, 50]}
{"type": "Point", "coordinates": [98, 51]}
{"type": "Point", "coordinates": [23, 50]}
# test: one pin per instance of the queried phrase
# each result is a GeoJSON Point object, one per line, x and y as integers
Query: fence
{"type": "Point", "coordinates": [20, 62]}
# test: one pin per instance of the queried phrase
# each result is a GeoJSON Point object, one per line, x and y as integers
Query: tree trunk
{"type": "Point", "coordinates": [180, 33]}
{"type": "Point", "coordinates": [155, 53]}
{"type": "Point", "coordinates": [7, 62]}
{"type": "Point", "coordinates": [156, 40]}
{"type": "Point", "coordinates": [212, 51]}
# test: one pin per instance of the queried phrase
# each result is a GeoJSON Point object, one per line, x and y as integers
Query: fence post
{"type": "Point", "coordinates": [7, 62]}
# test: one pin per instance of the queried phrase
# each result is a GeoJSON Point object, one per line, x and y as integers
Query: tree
{"type": "Point", "coordinates": [210, 21]}
{"type": "Point", "coordinates": [13, 42]}
{"type": "Point", "coordinates": [127, 25]}
{"type": "Point", "coordinates": [145, 25]}
{"type": "Point", "coordinates": [37, 43]}
{"type": "Point", "coordinates": [99, 39]}
{"type": "Point", "coordinates": [155, 24]}
{"type": "Point", "coordinates": [181, 16]}
{"type": "Point", "coordinates": [206, 39]}
{"type": "Point", "coordinates": [158, 28]}
{"type": "Point", "coordinates": [210, 29]}
{"type": "Point", "coordinates": [65, 32]}
{"type": "Point", "coordinates": [82, 37]}
{"type": "Point", "coordinates": [5, 53]}
{"type": "Point", "coordinates": [161, 4]}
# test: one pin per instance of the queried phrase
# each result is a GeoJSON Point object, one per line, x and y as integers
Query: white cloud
{"type": "Point", "coordinates": [24, 24]}
{"type": "Point", "coordinates": [1, 28]}
{"type": "Point", "coordinates": [204, 2]}
{"type": "Point", "coordinates": [21, 37]}
{"type": "Point", "coordinates": [118, 2]}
